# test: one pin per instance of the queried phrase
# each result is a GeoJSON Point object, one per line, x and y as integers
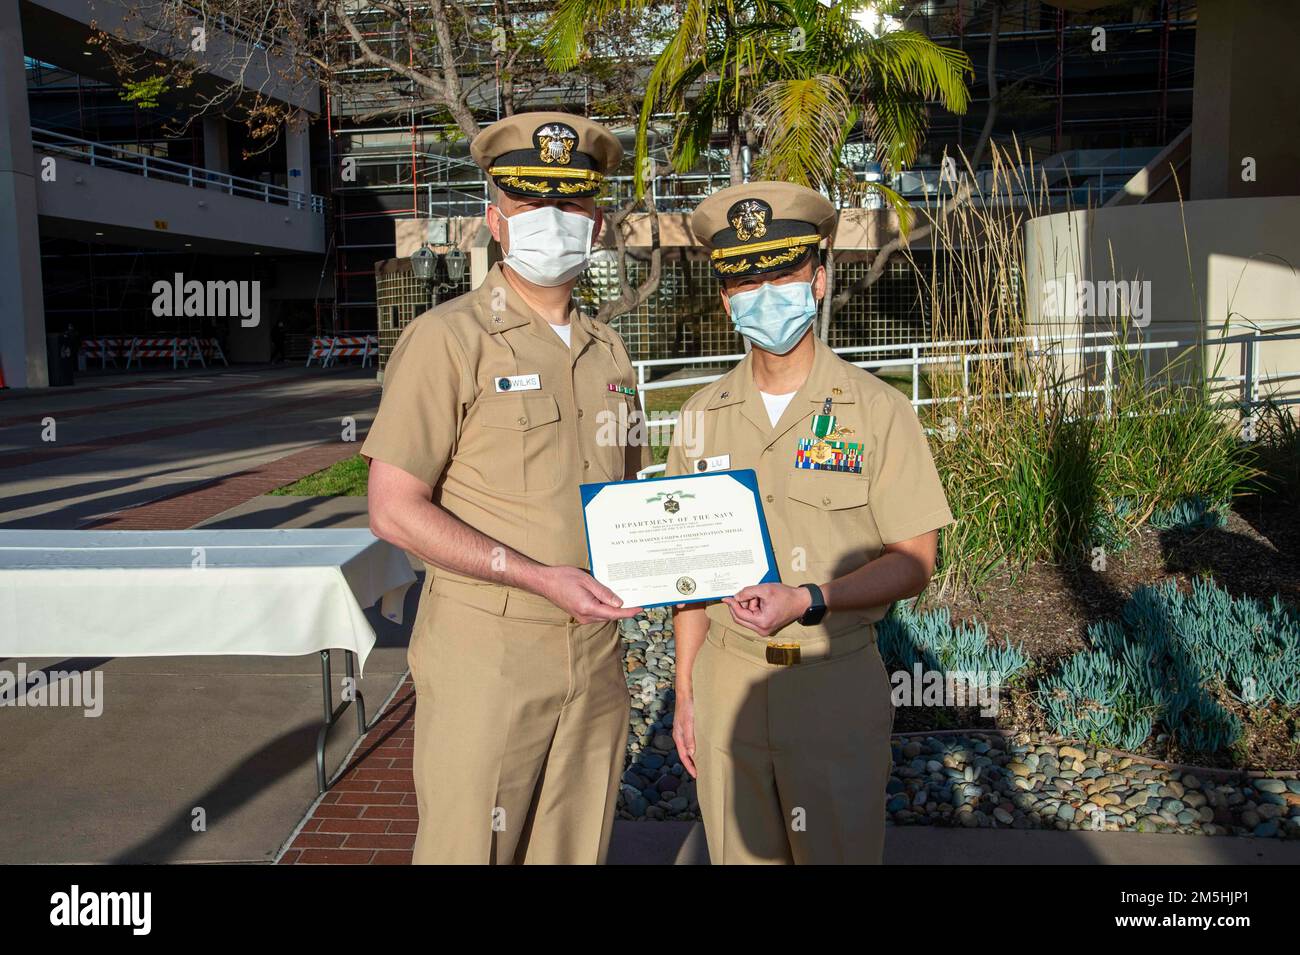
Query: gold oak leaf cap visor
{"type": "Point", "coordinates": [547, 155]}
{"type": "Point", "coordinates": [761, 227]}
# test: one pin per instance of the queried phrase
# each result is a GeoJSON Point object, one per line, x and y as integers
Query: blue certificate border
{"type": "Point", "coordinates": [746, 477]}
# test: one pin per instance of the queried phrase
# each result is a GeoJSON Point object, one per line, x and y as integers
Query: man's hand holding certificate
{"type": "Point", "coordinates": [678, 540]}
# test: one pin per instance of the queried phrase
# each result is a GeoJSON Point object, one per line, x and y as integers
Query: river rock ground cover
{"type": "Point", "coordinates": [1010, 770]}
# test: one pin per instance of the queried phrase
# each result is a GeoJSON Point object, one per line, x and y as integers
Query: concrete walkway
{"type": "Point", "coordinates": [75, 457]}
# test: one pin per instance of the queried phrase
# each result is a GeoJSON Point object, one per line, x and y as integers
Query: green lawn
{"type": "Point", "coordinates": [347, 478]}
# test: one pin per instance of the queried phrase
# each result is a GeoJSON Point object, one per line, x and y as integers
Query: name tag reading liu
{"type": "Point", "coordinates": [678, 540]}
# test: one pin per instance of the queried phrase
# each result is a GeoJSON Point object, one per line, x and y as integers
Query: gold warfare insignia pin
{"type": "Point", "coordinates": [749, 218]}
{"type": "Point", "coordinates": [555, 143]}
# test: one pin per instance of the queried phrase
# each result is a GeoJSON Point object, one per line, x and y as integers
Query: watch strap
{"type": "Point", "coordinates": [817, 609]}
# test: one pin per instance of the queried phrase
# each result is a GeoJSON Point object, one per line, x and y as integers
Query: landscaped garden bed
{"type": "Point", "coordinates": [1201, 586]}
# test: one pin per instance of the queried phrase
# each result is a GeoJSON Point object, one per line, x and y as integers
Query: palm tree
{"type": "Point", "coordinates": [782, 77]}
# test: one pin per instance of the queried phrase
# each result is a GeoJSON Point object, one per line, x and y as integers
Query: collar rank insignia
{"type": "Point", "coordinates": [749, 218]}
{"type": "Point", "coordinates": [555, 142]}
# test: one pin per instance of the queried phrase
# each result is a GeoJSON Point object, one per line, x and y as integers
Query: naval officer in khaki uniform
{"type": "Point", "coordinates": [783, 705]}
{"type": "Point", "coordinates": [490, 419]}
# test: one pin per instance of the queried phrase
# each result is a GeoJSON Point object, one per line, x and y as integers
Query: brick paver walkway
{"type": "Point", "coordinates": [188, 508]}
{"type": "Point", "coordinates": [368, 817]}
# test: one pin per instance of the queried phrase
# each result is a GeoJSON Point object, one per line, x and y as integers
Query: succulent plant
{"type": "Point", "coordinates": [1164, 663]}
{"type": "Point", "coordinates": [906, 638]}
{"type": "Point", "coordinates": [1193, 512]}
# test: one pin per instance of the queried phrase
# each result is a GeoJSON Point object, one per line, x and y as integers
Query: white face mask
{"type": "Point", "coordinates": [548, 246]}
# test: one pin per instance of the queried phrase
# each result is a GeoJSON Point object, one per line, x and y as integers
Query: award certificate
{"type": "Point", "coordinates": [678, 540]}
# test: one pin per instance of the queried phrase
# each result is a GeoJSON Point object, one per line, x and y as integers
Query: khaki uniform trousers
{"type": "Point", "coordinates": [520, 728]}
{"type": "Point", "coordinates": [792, 759]}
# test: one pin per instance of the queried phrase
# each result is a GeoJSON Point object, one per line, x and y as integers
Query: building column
{"type": "Point", "coordinates": [22, 301]}
{"type": "Point", "coordinates": [297, 150]}
{"type": "Point", "coordinates": [216, 144]}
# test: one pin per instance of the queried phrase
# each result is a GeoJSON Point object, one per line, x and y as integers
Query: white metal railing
{"type": "Point", "coordinates": [921, 183]}
{"type": "Point", "coordinates": [918, 355]}
{"type": "Point", "coordinates": [167, 170]}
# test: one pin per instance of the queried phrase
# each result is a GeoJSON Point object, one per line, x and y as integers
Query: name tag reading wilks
{"type": "Point", "coordinates": [519, 383]}
{"type": "Point", "coordinates": [678, 540]}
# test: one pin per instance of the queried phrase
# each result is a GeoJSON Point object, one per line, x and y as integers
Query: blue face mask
{"type": "Point", "coordinates": [774, 317]}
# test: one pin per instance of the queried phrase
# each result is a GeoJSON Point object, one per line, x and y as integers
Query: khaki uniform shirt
{"type": "Point", "coordinates": [508, 463]}
{"type": "Point", "coordinates": [823, 524]}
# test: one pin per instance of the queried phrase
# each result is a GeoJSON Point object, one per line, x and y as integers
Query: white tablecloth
{"type": "Point", "coordinates": [198, 592]}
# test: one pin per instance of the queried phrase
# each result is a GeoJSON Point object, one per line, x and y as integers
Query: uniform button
{"type": "Point", "coordinates": [579, 412]}
{"type": "Point", "coordinates": [586, 465]}
{"type": "Point", "coordinates": [826, 501]}
{"type": "Point", "coordinates": [769, 499]}
{"type": "Point", "coordinates": [523, 421]}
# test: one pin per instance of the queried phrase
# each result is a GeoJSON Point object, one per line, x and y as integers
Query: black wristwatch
{"type": "Point", "coordinates": [817, 609]}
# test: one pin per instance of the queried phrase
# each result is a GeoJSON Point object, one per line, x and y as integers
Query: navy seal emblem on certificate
{"type": "Point", "coordinates": [678, 540]}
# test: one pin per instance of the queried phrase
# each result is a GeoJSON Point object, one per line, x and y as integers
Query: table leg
{"type": "Point", "coordinates": [332, 713]}
{"type": "Point", "coordinates": [349, 662]}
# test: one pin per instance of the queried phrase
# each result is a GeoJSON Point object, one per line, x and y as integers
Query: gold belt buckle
{"type": "Point", "coordinates": [783, 654]}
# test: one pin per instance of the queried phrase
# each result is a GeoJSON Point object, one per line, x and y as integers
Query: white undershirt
{"type": "Point", "coordinates": [565, 332]}
{"type": "Point", "coordinates": [776, 405]}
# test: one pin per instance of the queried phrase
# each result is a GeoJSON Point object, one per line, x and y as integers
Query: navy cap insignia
{"type": "Point", "coordinates": [749, 218]}
{"type": "Point", "coordinates": [555, 142]}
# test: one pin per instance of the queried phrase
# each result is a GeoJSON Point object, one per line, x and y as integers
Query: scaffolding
{"type": "Point", "coordinates": [400, 167]}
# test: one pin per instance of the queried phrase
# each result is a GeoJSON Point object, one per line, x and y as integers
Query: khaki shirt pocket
{"type": "Point", "coordinates": [827, 490]}
{"type": "Point", "coordinates": [522, 452]}
{"type": "Point", "coordinates": [829, 519]}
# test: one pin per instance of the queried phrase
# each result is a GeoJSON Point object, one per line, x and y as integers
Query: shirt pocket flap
{"type": "Point", "coordinates": [827, 490]}
{"type": "Point", "coordinates": [519, 412]}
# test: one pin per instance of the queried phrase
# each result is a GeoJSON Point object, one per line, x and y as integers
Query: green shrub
{"type": "Point", "coordinates": [1049, 480]}
{"type": "Point", "coordinates": [1276, 447]}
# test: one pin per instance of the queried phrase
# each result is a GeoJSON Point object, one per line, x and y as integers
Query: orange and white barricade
{"type": "Point", "coordinates": [107, 350]}
{"type": "Point", "coordinates": [329, 350]}
{"type": "Point", "coordinates": [181, 351]}
{"type": "Point", "coordinates": [355, 346]}
{"type": "Point", "coordinates": [211, 349]}
{"type": "Point", "coordinates": [321, 349]}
